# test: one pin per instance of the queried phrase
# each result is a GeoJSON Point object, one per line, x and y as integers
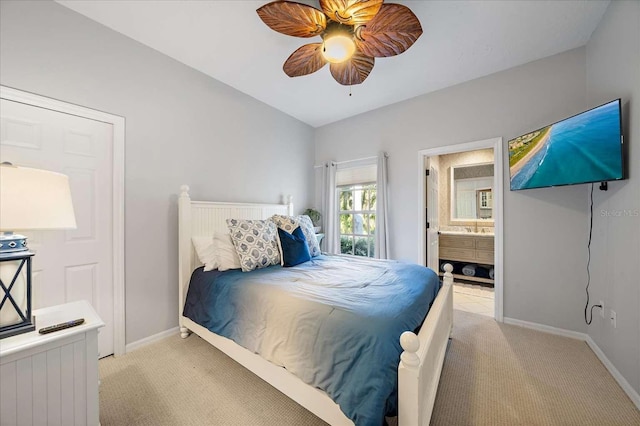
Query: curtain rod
{"type": "Point", "coordinates": [375, 157]}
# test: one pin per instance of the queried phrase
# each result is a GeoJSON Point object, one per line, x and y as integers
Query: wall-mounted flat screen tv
{"type": "Point", "coordinates": [584, 148]}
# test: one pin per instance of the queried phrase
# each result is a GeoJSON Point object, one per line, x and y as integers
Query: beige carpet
{"type": "Point", "coordinates": [493, 375]}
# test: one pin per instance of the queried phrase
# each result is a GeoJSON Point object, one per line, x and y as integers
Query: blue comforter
{"type": "Point", "coordinates": [335, 322]}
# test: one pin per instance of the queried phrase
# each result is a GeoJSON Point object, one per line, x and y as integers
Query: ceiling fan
{"type": "Point", "coordinates": [353, 32]}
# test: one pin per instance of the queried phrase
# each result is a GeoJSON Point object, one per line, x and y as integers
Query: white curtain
{"type": "Point", "coordinates": [330, 209]}
{"type": "Point", "coordinates": [382, 196]}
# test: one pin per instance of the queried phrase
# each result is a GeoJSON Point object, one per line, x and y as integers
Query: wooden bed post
{"type": "Point", "coordinates": [447, 279]}
{"type": "Point", "coordinates": [423, 357]}
{"type": "Point", "coordinates": [184, 250]}
{"type": "Point", "coordinates": [289, 199]}
{"type": "Point", "coordinates": [448, 274]}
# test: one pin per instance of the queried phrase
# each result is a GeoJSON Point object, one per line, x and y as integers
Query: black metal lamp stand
{"type": "Point", "coordinates": [26, 323]}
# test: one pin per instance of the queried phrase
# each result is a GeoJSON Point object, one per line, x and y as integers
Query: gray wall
{"type": "Point", "coordinates": [184, 127]}
{"type": "Point", "coordinates": [613, 71]}
{"type": "Point", "coordinates": [545, 230]}
{"type": "Point", "coordinates": [181, 127]}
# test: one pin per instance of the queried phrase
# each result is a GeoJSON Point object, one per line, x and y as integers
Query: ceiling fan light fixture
{"type": "Point", "coordinates": [338, 48]}
{"type": "Point", "coordinates": [353, 32]}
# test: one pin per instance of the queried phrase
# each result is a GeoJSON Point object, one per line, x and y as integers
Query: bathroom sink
{"type": "Point", "coordinates": [475, 234]}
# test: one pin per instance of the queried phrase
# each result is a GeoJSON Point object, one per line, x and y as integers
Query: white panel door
{"type": "Point", "coordinates": [75, 264]}
{"type": "Point", "coordinates": [433, 241]}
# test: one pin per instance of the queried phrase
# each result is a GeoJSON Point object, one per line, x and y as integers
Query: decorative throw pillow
{"type": "Point", "coordinates": [255, 243]}
{"type": "Point", "coordinates": [289, 223]}
{"type": "Point", "coordinates": [226, 255]}
{"type": "Point", "coordinates": [293, 247]}
{"type": "Point", "coordinates": [206, 252]}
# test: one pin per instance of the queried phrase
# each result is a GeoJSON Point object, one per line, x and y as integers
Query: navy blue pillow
{"type": "Point", "coordinates": [295, 249]}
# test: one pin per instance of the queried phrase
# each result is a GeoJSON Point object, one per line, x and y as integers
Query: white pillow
{"type": "Point", "coordinates": [206, 252]}
{"type": "Point", "coordinates": [225, 252]}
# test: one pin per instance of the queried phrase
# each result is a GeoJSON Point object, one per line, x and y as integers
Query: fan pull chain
{"type": "Point", "coordinates": [349, 90]}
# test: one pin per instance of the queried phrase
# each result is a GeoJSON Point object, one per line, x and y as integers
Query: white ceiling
{"type": "Point", "coordinates": [462, 40]}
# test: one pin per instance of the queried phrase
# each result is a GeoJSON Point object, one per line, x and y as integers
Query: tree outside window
{"type": "Point", "coordinates": [357, 219]}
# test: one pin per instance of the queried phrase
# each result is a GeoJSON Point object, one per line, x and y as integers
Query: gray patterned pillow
{"type": "Point", "coordinates": [255, 242]}
{"type": "Point", "coordinates": [289, 223]}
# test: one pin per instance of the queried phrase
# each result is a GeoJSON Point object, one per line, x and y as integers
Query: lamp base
{"type": "Point", "coordinates": [12, 243]}
{"type": "Point", "coordinates": [14, 330]}
{"type": "Point", "coordinates": [15, 303]}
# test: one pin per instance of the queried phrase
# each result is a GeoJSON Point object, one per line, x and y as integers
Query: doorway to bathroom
{"type": "Point", "coordinates": [461, 188]}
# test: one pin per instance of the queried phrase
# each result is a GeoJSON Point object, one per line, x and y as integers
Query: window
{"type": "Point", "coordinates": [357, 204]}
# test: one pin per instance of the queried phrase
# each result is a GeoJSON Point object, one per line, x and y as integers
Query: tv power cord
{"type": "Point", "coordinates": [586, 307]}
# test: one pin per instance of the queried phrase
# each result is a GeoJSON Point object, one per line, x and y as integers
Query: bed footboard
{"type": "Point", "coordinates": [423, 357]}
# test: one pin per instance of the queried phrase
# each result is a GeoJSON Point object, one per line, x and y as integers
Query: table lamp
{"type": "Point", "coordinates": [30, 199]}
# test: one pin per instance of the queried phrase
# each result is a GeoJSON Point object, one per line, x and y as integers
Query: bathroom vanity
{"type": "Point", "coordinates": [469, 247]}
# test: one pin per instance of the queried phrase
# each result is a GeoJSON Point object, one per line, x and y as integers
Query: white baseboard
{"type": "Point", "coordinates": [546, 328]}
{"type": "Point", "coordinates": [624, 384]}
{"type": "Point", "coordinates": [629, 390]}
{"type": "Point", "coordinates": [151, 339]}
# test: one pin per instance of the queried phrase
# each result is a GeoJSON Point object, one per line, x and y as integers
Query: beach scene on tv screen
{"type": "Point", "coordinates": [583, 148]}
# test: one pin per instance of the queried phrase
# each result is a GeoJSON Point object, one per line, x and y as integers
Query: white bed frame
{"type": "Point", "coordinates": [421, 362]}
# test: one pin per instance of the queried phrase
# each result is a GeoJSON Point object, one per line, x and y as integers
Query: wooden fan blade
{"type": "Point", "coordinates": [351, 12]}
{"type": "Point", "coordinates": [392, 31]}
{"type": "Point", "coordinates": [294, 19]}
{"type": "Point", "coordinates": [306, 60]}
{"type": "Point", "coordinates": [353, 71]}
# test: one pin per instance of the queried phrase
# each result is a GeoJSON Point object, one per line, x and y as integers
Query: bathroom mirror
{"type": "Point", "coordinates": [471, 192]}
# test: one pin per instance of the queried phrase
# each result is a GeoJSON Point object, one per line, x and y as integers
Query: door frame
{"type": "Point", "coordinates": [498, 175]}
{"type": "Point", "coordinates": [118, 124]}
{"type": "Point", "coordinates": [428, 215]}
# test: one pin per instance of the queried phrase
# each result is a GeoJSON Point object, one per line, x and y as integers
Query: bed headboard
{"type": "Point", "coordinates": [203, 218]}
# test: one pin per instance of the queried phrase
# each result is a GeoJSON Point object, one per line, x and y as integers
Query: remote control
{"type": "Point", "coordinates": [61, 326]}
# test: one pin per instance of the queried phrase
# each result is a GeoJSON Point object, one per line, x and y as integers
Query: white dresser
{"type": "Point", "coordinates": [52, 379]}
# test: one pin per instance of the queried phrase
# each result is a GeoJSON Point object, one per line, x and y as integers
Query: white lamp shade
{"type": "Point", "coordinates": [34, 199]}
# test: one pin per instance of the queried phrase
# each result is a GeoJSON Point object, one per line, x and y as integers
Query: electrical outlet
{"type": "Point", "coordinates": [602, 309]}
{"type": "Point", "coordinates": [614, 318]}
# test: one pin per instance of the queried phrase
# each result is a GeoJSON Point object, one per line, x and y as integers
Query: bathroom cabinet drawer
{"type": "Point", "coordinates": [484, 256]}
{"type": "Point", "coordinates": [457, 241]}
{"type": "Point", "coordinates": [484, 243]}
{"type": "Point", "coordinates": [452, 253]}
